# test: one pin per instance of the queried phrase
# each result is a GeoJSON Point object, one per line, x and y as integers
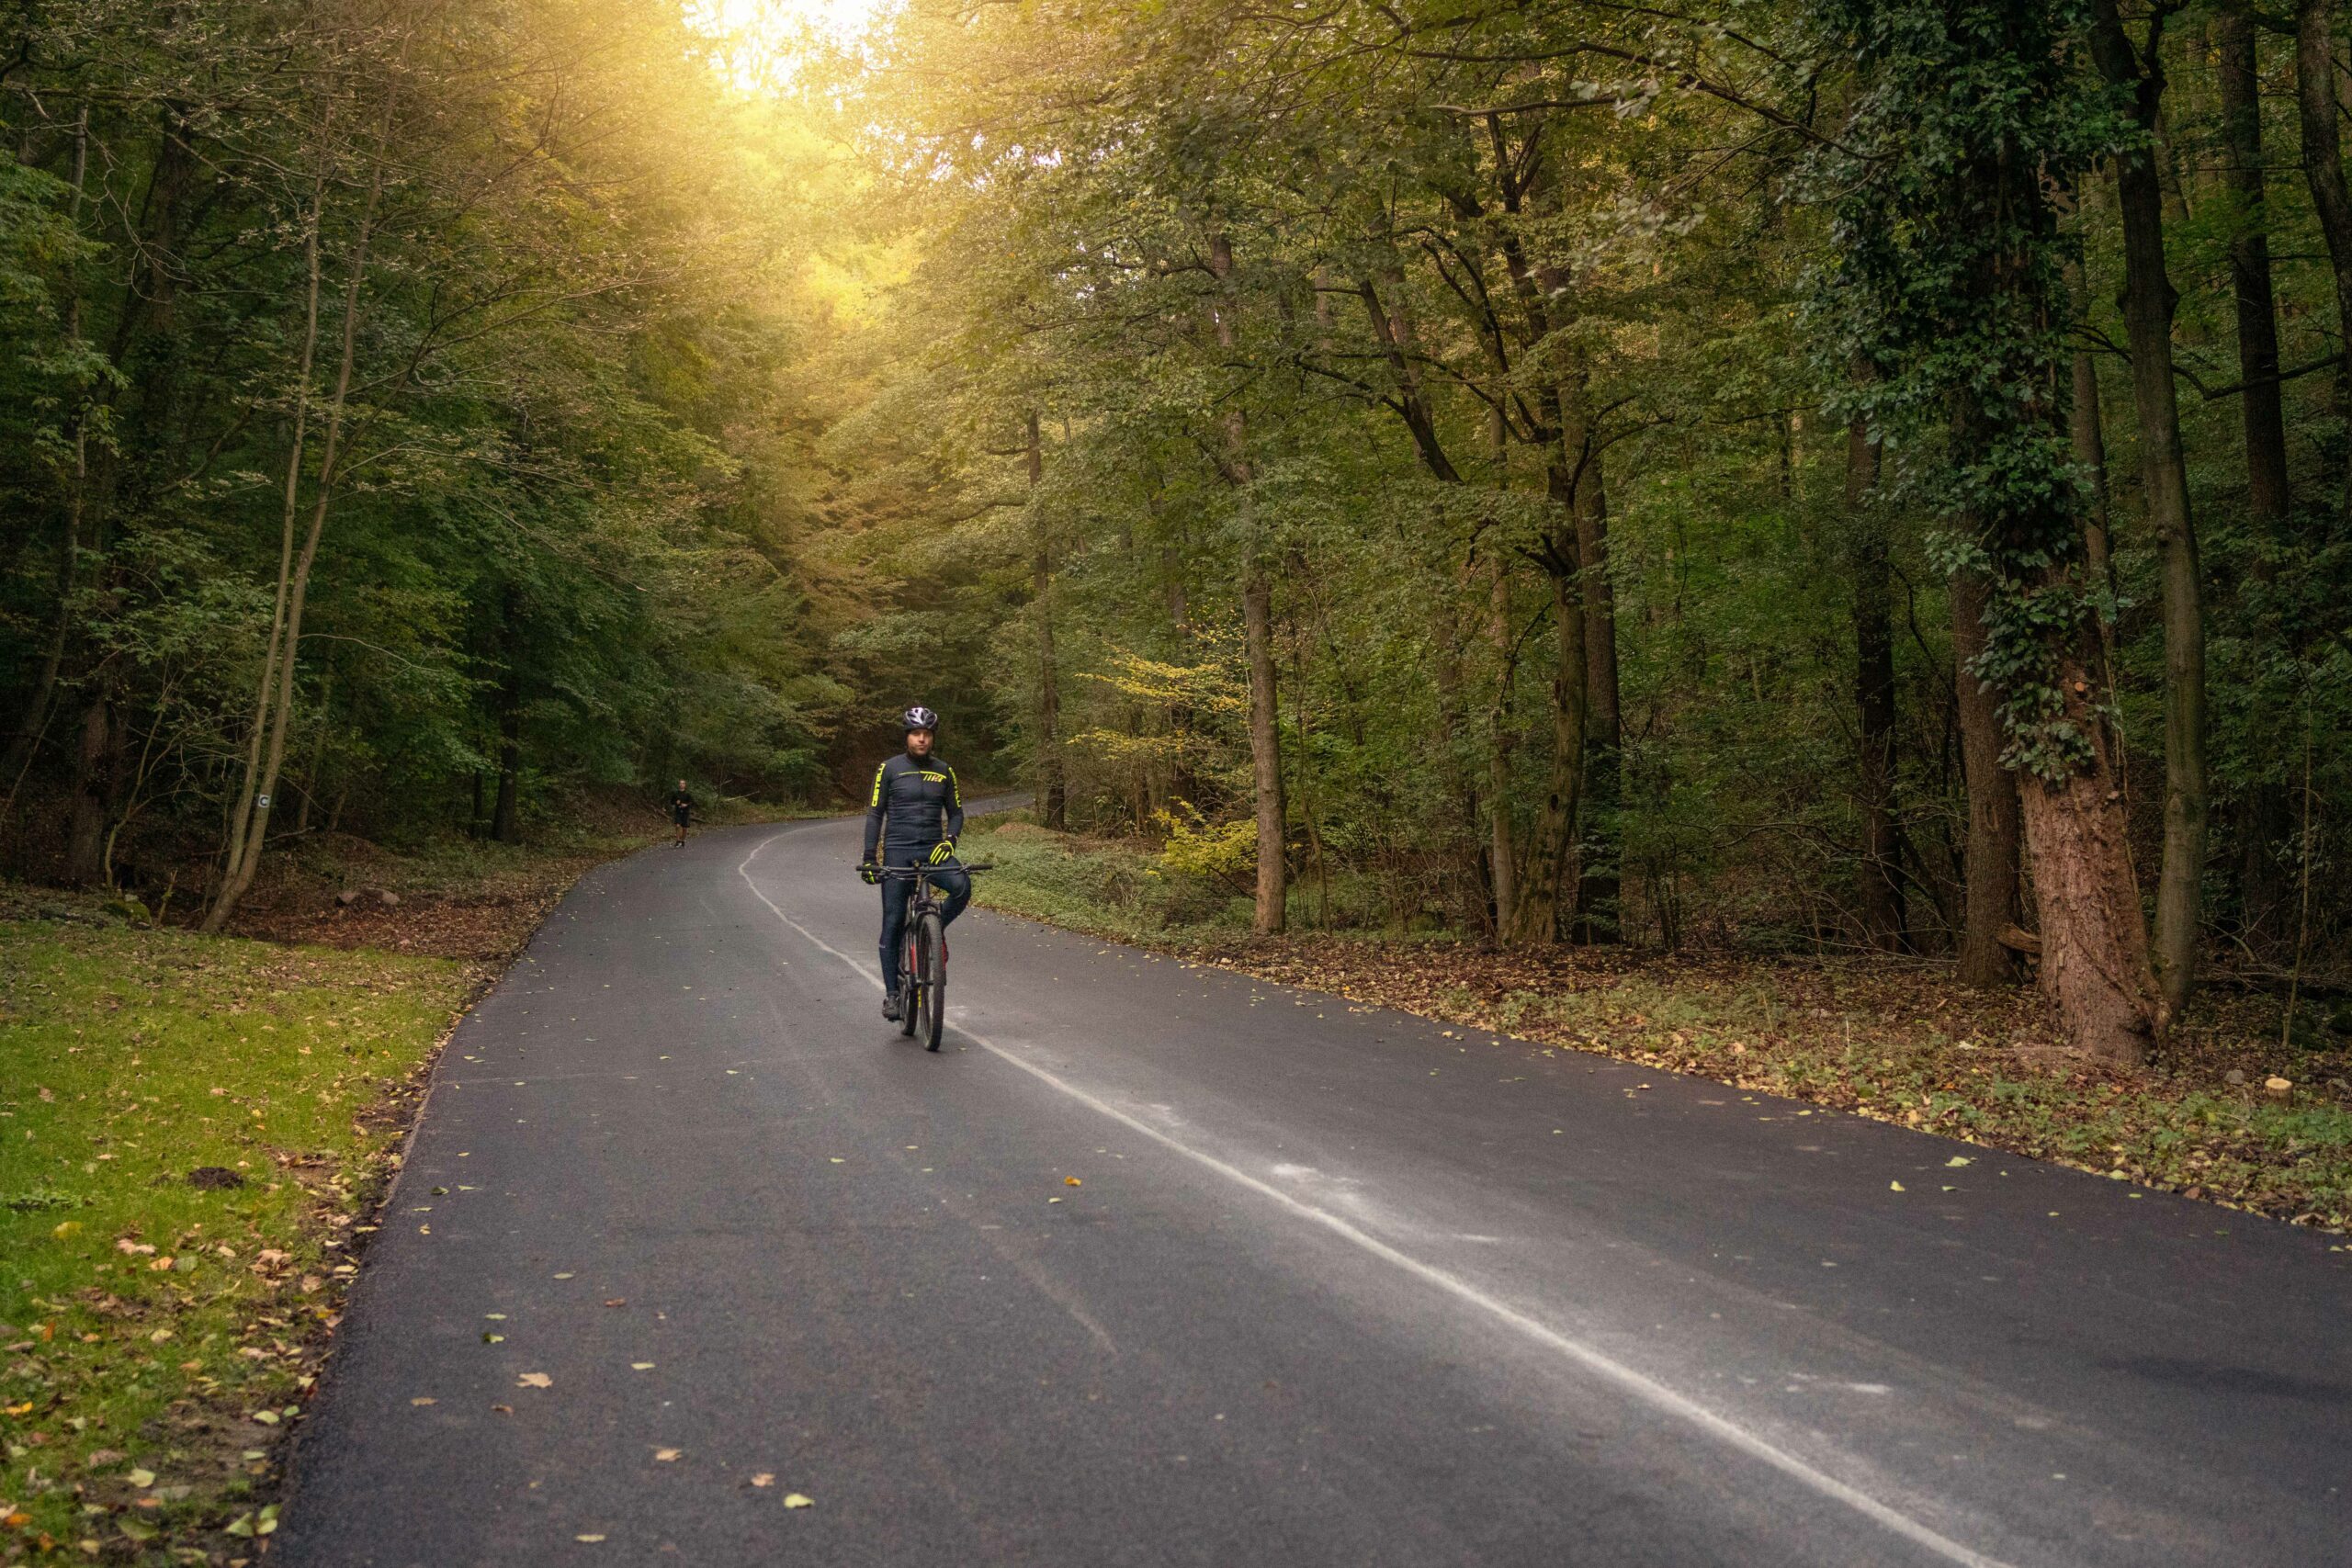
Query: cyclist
{"type": "Point", "coordinates": [914, 818]}
{"type": "Point", "coordinates": [681, 807]}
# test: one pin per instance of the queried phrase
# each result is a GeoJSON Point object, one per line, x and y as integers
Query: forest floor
{"type": "Point", "coordinates": [1898, 1041]}
{"type": "Point", "coordinates": [194, 1133]}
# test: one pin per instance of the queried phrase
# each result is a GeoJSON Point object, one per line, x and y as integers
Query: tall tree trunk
{"type": "Point", "coordinates": [1600, 846]}
{"type": "Point", "coordinates": [1502, 850]}
{"type": "Point", "coordinates": [2095, 960]}
{"type": "Point", "coordinates": [1052, 793]}
{"type": "Point", "coordinates": [2260, 405]}
{"type": "Point", "coordinates": [1551, 849]}
{"type": "Point", "coordinates": [86, 823]}
{"type": "Point", "coordinates": [1269, 916]}
{"type": "Point", "coordinates": [257, 803]}
{"type": "Point", "coordinates": [243, 810]}
{"type": "Point", "coordinates": [1885, 921]}
{"type": "Point", "coordinates": [2264, 817]}
{"type": "Point", "coordinates": [2323, 172]}
{"type": "Point", "coordinates": [1989, 858]}
{"type": "Point", "coordinates": [505, 812]}
{"type": "Point", "coordinates": [2148, 305]}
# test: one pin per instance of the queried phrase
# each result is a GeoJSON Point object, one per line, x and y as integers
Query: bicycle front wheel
{"type": "Point", "coordinates": [931, 937]}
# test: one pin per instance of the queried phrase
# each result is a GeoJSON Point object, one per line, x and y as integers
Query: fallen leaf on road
{"type": "Point", "coordinates": [795, 1500]}
{"type": "Point", "coordinates": [591, 1540]}
{"type": "Point", "coordinates": [423, 1399]}
{"type": "Point", "coordinates": [617, 1301]}
{"type": "Point", "coordinates": [535, 1379]}
{"type": "Point", "coordinates": [667, 1456]}
{"type": "Point", "coordinates": [1958, 1160]}
{"type": "Point", "coordinates": [1894, 1187]}
{"type": "Point", "coordinates": [1070, 1181]}
{"type": "Point", "coordinates": [765, 1478]}
{"type": "Point", "coordinates": [142, 1478]}
{"type": "Point", "coordinates": [563, 1276]}
{"type": "Point", "coordinates": [501, 1410]}
{"type": "Point", "coordinates": [640, 1366]}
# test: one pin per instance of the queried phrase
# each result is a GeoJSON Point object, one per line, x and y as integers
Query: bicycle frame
{"type": "Point", "coordinates": [923, 972]}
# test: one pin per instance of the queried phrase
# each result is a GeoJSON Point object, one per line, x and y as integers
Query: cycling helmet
{"type": "Point", "coordinates": [919, 717]}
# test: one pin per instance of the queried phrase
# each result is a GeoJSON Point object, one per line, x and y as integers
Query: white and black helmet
{"type": "Point", "coordinates": [919, 717]}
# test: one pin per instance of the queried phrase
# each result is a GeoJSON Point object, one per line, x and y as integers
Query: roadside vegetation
{"type": "Point", "coordinates": [1902, 1043]}
{"type": "Point", "coordinates": [193, 1134]}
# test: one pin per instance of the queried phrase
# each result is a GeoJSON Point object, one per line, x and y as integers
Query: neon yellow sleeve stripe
{"type": "Point", "coordinates": [954, 790]}
{"type": "Point", "coordinates": [877, 784]}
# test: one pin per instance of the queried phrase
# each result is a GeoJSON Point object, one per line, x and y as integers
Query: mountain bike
{"type": "Point", "coordinates": [922, 954]}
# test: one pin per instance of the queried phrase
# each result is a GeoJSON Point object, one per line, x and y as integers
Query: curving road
{"type": "Point", "coordinates": [1161, 1265]}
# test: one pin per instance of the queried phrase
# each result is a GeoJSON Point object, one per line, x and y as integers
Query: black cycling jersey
{"type": "Point", "coordinates": [915, 805]}
{"type": "Point", "coordinates": [681, 803]}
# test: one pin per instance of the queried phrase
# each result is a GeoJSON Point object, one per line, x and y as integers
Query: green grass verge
{"type": "Point", "coordinates": [162, 1332]}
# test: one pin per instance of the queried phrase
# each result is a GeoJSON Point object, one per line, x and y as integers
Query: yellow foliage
{"type": "Point", "coordinates": [1197, 847]}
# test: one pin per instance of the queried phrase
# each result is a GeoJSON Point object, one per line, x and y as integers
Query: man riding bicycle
{"type": "Point", "coordinates": [914, 818]}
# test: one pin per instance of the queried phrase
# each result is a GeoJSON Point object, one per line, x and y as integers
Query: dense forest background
{"type": "Point", "coordinates": [1801, 474]}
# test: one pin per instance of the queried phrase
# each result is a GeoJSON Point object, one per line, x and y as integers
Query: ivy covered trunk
{"type": "Point", "coordinates": [1973, 114]}
{"type": "Point", "coordinates": [2095, 965]}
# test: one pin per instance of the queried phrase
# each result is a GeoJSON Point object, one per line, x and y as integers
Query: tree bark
{"type": "Point", "coordinates": [1989, 858]}
{"type": "Point", "coordinates": [1052, 793]}
{"type": "Point", "coordinates": [2263, 817]}
{"type": "Point", "coordinates": [2260, 405]}
{"type": "Point", "coordinates": [87, 825]}
{"type": "Point", "coordinates": [1270, 914]}
{"type": "Point", "coordinates": [255, 806]}
{"type": "Point", "coordinates": [1600, 841]}
{"type": "Point", "coordinates": [1551, 849]}
{"type": "Point", "coordinates": [2095, 960]}
{"type": "Point", "coordinates": [1885, 920]}
{"type": "Point", "coordinates": [2323, 172]}
{"type": "Point", "coordinates": [505, 812]}
{"type": "Point", "coordinates": [241, 813]}
{"type": "Point", "coordinates": [2148, 304]}
{"type": "Point", "coordinates": [1502, 850]}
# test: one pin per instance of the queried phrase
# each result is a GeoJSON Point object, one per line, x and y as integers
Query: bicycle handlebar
{"type": "Point", "coordinates": [909, 871]}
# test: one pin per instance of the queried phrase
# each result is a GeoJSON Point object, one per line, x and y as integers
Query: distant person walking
{"type": "Point", "coordinates": [681, 810]}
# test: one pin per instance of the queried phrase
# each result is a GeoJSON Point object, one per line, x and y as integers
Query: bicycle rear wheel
{"type": "Point", "coordinates": [909, 989]}
{"type": "Point", "coordinates": [931, 938]}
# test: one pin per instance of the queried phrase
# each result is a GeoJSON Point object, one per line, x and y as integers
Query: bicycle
{"type": "Point", "coordinates": [922, 955]}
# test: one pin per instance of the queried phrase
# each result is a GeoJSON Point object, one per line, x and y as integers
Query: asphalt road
{"type": "Point", "coordinates": [1334, 1287]}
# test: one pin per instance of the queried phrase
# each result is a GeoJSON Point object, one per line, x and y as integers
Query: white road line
{"type": "Point", "coordinates": [1642, 1387]}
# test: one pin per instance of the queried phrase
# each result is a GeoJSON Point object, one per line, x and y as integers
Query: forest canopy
{"type": "Point", "coordinates": [1862, 476]}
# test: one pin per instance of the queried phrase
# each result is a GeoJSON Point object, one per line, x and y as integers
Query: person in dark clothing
{"type": "Point", "coordinates": [914, 818]}
{"type": "Point", "coordinates": [682, 809]}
